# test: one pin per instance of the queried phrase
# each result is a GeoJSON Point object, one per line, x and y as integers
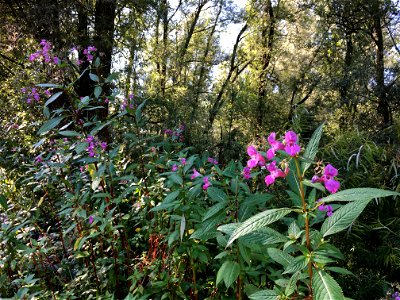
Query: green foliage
{"type": "Point", "coordinates": [105, 207]}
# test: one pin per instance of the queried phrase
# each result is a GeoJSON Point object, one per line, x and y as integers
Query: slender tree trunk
{"type": "Point", "coordinates": [383, 105]}
{"type": "Point", "coordinates": [267, 41]}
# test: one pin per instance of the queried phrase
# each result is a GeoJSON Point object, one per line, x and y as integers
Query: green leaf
{"type": "Point", "coordinates": [97, 91]}
{"type": "Point", "coordinates": [325, 287]}
{"type": "Point", "coordinates": [312, 147]}
{"type": "Point", "coordinates": [3, 201]}
{"type": "Point", "coordinates": [94, 77]}
{"type": "Point", "coordinates": [279, 256]}
{"type": "Point", "coordinates": [297, 264]}
{"type": "Point", "coordinates": [49, 85]}
{"type": "Point", "coordinates": [49, 125]}
{"type": "Point", "coordinates": [339, 270]}
{"type": "Point", "coordinates": [53, 98]}
{"type": "Point", "coordinates": [258, 221]}
{"type": "Point", "coordinates": [70, 133]}
{"type": "Point", "coordinates": [228, 272]}
{"type": "Point", "coordinates": [111, 77]}
{"type": "Point", "coordinates": [264, 295]}
{"type": "Point", "coordinates": [182, 227]}
{"type": "Point", "coordinates": [171, 196]}
{"type": "Point", "coordinates": [214, 210]}
{"type": "Point", "coordinates": [176, 178]}
{"type": "Point", "coordinates": [291, 285]}
{"type": "Point", "coordinates": [216, 194]}
{"type": "Point", "coordinates": [359, 194]}
{"type": "Point", "coordinates": [263, 236]}
{"type": "Point", "coordinates": [343, 217]}
{"type": "Point", "coordinates": [138, 112]}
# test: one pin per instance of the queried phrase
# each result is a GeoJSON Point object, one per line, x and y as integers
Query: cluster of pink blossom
{"type": "Point", "coordinates": [44, 54]}
{"type": "Point", "coordinates": [289, 145]}
{"type": "Point", "coordinates": [87, 52]}
{"type": "Point", "coordinates": [327, 179]}
{"type": "Point", "coordinates": [212, 160]}
{"type": "Point", "coordinates": [206, 183]}
{"type": "Point", "coordinates": [327, 208]}
{"type": "Point", "coordinates": [33, 94]}
{"type": "Point", "coordinates": [182, 160]}
{"type": "Point", "coordinates": [93, 144]}
{"type": "Point", "coordinates": [176, 134]}
{"type": "Point", "coordinates": [127, 103]}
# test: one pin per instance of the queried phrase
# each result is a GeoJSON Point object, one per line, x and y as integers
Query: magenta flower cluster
{"type": "Point", "coordinates": [176, 134]}
{"type": "Point", "coordinates": [33, 94]}
{"type": "Point", "coordinates": [44, 54]}
{"type": "Point", "coordinates": [212, 160]}
{"type": "Point", "coordinates": [127, 103]}
{"type": "Point", "coordinates": [289, 145]}
{"type": "Point", "coordinates": [328, 179]}
{"type": "Point", "coordinates": [206, 183]}
{"type": "Point", "coordinates": [327, 208]}
{"type": "Point", "coordinates": [94, 144]}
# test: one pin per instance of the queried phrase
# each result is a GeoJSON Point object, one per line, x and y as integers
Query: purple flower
{"type": "Point", "coordinates": [255, 157]}
{"type": "Point", "coordinates": [183, 161]}
{"type": "Point", "coordinates": [327, 208]}
{"type": "Point", "coordinates": [275, 145]}
{"type": "Point", "coordinates": [274, 173]}
{"type": "Point", "coordinates": [246, 173]}
{"type": "Point", "coordinates": [291, 146]}
{"type": "Point", "coordinates": [206, 184]}
{"type": "Point", "coordinates": [90, 139]}
{"type": "Point", "coordinates": [327, 178]}
{"type": "Point", "coordinates": [103, 146]}
{"type": "Point", "coordinates": [195, 174]}
{"type": "Point", "coordinates": [91, 219]}
{"type": "Point", "coordinates": [38, 159]}
{"type": "Point", "coordinates": [174, 168]}
{"type": "Point", "coordinates": [56, 60]}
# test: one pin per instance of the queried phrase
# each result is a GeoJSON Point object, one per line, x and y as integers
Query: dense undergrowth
{"type": "Point", "coordinates": [112, 209]}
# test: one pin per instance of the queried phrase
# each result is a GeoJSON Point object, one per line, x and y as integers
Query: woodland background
{"type": "Point", "coordinates": [293, 65]}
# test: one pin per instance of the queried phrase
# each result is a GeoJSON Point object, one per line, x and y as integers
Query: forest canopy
{"type": "Point", "coordinates": [126, 131]}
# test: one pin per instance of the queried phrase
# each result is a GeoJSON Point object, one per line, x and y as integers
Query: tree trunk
{"type": "Point", "coordinates": [267, 41]}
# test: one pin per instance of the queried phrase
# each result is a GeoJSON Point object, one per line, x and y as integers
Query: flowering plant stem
{"type": "Point", "coordinates": [306, 221]}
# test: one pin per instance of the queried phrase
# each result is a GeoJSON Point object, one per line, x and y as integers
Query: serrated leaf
{"type": "Point", "coordinates": [53, 98]}
{"type": "Point", "coordinates": [339, 270]}
{"type": "Point", "coordinates": [312, 148]}
{"type": "Point", "coordinates": [264, 295]}
{"type": "Point", "coordinates": [343, 217]}
{"type": "Point", "coordinates": [359, 194]}
{"type": "Point", "coordinates": [216, 194]}
{"type": "Point", "coordinates": [258, 221]}
{"type": "Point", "coordinates": [171, 196]}
{"type": "Point", "coordinates": [291, 285]}
{"type": "Point", "coordinates": [297, 264]}
{"type": "Point", "coordinates": [279, 256]}
{"type": "Point", "coordinates": [264, 236]}
{"type": "Point", "coordinates": [208, 227]}
{"type": "Point", "coordinates": [214, 210]}
{"type": "Point", "coordinates": [228, 272]}
{"type": "Point", "coordinates": [325, 287]}
{"type": "Point", "coordinates": [294, 230]}
{"type": "Point", "coordinates": [176, 178]}
{"type": "Point", "coordinates": [49, 125]}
